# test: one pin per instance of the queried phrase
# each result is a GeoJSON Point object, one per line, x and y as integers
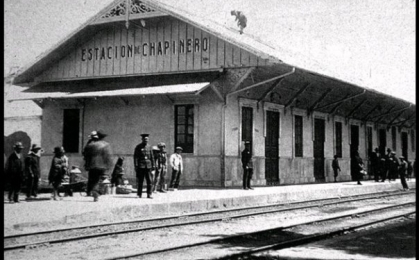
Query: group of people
{"type": "Point", "coordinates": [383, 167]}
{"type": "Point", "coordinates": [150, 164]}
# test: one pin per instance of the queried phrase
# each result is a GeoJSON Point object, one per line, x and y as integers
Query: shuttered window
{"type": "Point", "coordinates": [184, 127]}
{"type": "Point", "coordinates": [298, 130]}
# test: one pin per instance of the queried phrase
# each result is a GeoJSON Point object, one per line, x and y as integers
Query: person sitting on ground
{"type": "Point", "coordinates": [335, 166]}
{"type": "Point", "coordinates": [118, 172]}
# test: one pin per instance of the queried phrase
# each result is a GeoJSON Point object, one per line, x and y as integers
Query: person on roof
{"type": "Point", "coordinates": [241, 20]}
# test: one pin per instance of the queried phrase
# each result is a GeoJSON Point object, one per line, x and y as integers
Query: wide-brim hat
{"type": "Point", "coordinates": [93, 135]}
{"type": "Point", "coordinates": [18, 145]}
{"type": "Point", "coordinates": [101, 134]}
{"type": "Point", "coordinates": [36, 147]}
{"type": "Point", "coordinates": [58, 149]}
{"type": "Point", "coordinates": [179, 148]}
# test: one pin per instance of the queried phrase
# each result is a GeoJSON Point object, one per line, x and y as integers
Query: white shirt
{"type": "Point", "coordinates": [176, 161]}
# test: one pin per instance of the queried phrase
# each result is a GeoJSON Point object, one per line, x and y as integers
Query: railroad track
{"type": "Point", "coordinates": [30, 240]}
{"type": "Point", "coordinates": [285, 241]}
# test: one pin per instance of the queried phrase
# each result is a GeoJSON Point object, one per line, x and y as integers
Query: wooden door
{"type": "Point", "coordinates": [354, 148]}
{"type": "Point", "coordinates": [383, 141]}
{"type": "Point", "coordinates": [271, 148]}
{"type": "Point", "coordinates": [319, 138]}
{"type": "Point", "coordinates": [404, 145]}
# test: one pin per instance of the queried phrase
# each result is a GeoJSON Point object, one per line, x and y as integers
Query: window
{"type": "Point", "coordinates": [247, 124]}
{"type": "Point", "coordinates": [338, 133]}
{"type": "Point", "coordinates": [412, 139]}
{"type": "Point", "coordinates": [184, 127]}
{"type": "Point", "coordinates": [298, 129]}
{"type": "Point", "coordinates": [393, 136]}
{"type": "Point", "coordinates": [71, 130]}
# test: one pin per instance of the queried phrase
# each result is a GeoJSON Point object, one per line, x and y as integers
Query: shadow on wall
{"type": "Point", "coordinates": [19, 136]}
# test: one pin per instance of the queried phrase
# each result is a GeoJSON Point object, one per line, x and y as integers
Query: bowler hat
{"type": "Point", "coordinates": [179, 148]}
{"type": "Point", "coordinates": [58, 149]}
{"type": "Point", "coordinates": [18, 145]}
{"type": "Point", "coordinates": [35, 147]}
{"type": "Point", "coordinates": [93, 134]}
{"type": "Point", "coordinates": [101, 134]}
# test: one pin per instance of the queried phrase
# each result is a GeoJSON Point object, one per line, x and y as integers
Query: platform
{"type": "Point", "coordinates": [79, 210]}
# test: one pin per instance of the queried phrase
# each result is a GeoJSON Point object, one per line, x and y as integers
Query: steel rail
{"type": "Point", "coordinates": [385, 193]}
{"type": "Point", "coordinates": [289, 243]}
{"type": "Point", "coordinates": [75, 238]}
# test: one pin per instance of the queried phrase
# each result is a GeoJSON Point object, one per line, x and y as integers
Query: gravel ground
{"type": "Point", "coordinates": [170, 237]}
{"type": "Point", "coordinates": [392, 240]}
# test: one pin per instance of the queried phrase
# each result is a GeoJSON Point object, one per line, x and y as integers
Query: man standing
{"type": "Point", "coordinates": [387, 173]}
{"type": "Point", "coordinates": [14, 172]}
{"type": "Point", "coordinates": [57, 171]}
{"type": "Point", "coordinates": [402, 172]}
{"type": "Point", "coordinates": [394, 167]}
{"type": "Point", "coordinates": [32, 171]}
{"type": "Point", "coordinates": [144, 164]}
{"type": "Point", "coordinates": [176, 162]}
{"type": "Point", "coordinates": [98, 158]}
{"type": "Point", "coordinates": [247, 164]}
{"type": "Point", "coordinates": [335, 167]}
{"type": "Point", "coordinates": [161, 164]}
{"type": "Point", "coordinates": [375, 161]}
{"type": "Point", "coordinates": [359, 166]}
{"type": "Point", "coordinates": [93, 137]}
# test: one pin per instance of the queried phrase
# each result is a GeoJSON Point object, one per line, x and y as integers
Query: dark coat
{"type": "Point", "coordinates": [57, 171]}
{"type": "Point", "coordinates": [247, 159]}
{"type": "Point", "coordinates": [143, 157]}
{"type": "Point", "coordinates": [98, 155]}
{"type": "Point", "coordinates": [32, 169]}
{"type": "Point", "coordinates": [14, 168]}
{"type": "Point", "coordinates": [161, 160]}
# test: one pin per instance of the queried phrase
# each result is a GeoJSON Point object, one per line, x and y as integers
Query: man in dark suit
{"type": "Point", "coordinates": [144, 164]}
{"type": "Point", "coordinates": [247, 166]}
{"type": "Point", "coordinates": [14, 172]}
{"type": "Point", "coordinates": [32, 171]}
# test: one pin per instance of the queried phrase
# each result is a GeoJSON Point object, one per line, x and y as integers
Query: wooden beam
{"type": "Point", "coordinates": [39, 102]}
{"type": "Point", "coordinates": [300, 91]}
{"type": "Point", "coordinates": [238, 83]}
{"type": "Point", "coordinates": [344, 99]}
{"type": "Point", "coordinates": [274, 85]}
{"type": "Point", "coordinates": [263, 82]}
{"type": "Point", "coordinates": [404, 121]}
{"type": "Point", "coordinates": [335, 108]}
{"type": "Point", "coordinates": [391, 112]}
{"type": "Point", "coordinates": [317, 102]}
{"type": "Point", "coordinates": [372, 110]}
{"type": "Point", "coordinates": [126, 101]}
{"type": "Point", "coordinates": [132, 17]}
{"type": "Point", "coordinates": [356, 108]}
{"type": "Point", "coordinates": [215, 89]}
{"type": "Point", "coordinates": [394, 119]}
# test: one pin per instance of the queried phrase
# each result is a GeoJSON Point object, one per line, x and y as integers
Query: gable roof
{"type": "Point", "coordinates": [245, 41]}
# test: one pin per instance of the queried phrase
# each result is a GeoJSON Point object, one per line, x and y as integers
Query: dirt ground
{"type": "Point", "coordinates": [392, 241]}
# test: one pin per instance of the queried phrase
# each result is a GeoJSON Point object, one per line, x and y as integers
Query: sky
{"type": "Point", "coordinates": [372, 40]}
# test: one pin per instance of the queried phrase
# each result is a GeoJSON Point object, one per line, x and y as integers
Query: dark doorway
{"type": "Point", "coordinates": [71, 130]}
{"type": "Point", "coordinates": [354, 148]}
{"type": "Point", "coordinates": [247, 124]}
{"type": "Point", "coordinates": [319, 137]}
{"type": "Point", "coordinates": [271, 148]}
{"type": "Point", "coordinates": [404, 145]}
{"type": "Point", "coordinates": [382, 141]}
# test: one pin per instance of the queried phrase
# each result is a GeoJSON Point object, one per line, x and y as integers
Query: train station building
{"type": "Point", "coordinates": [192, 82]}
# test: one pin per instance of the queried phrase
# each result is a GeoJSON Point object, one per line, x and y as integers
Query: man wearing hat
{"type": "Point", "coordinates": [375, 161]}
{"type": "Point", "coordinates": [59, 167]}
{"type": "Point", "coordinates": [386, 173]}
{"type": "Point", "coordinates": [98, 161]}
{"type": "Point", "coordinates": [144, 164]}
{"type": "Point", "coordinates": [394, 166]}
{"type": "Point", "coordinates": [32, 171]}
{"type": "Point", "coordinates": [402, 172]}
{"type": "Point", "coordinates": [247, 164]}
{"type": "Point", "coordinates": [14, 172]}
{"type": "Point", "coordinates": [161, 168]}
{"type": "Point", "coordinates": [177, 168]}
{"type": "Point", "coordinates": [93, 137]}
